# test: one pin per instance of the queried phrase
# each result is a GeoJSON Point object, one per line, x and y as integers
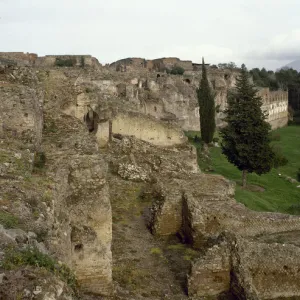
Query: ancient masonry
{"type": "Point", "coordinates": [150, 91]}
{"type": "Point", "coordinates": [122, 123]}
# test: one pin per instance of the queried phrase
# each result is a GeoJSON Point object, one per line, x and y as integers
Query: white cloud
{"type": "Point", "coordinates": [282, 47]}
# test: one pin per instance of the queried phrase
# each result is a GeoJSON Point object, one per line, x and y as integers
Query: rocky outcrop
{"type": "Point", "coordinates": [54, 193]}
{"type": "Point", "coordinates": [32, 283]}
{"type": "Point", "coordinates": [210, 275]}
{"type": "Point", "coordinates": [247, 269]}
{"type": "Point", "coordinates": [206, 218]}
{"type": "Point", "coordinates": [21, 114]}
{"type": "Point", "coordinates": [53, 185]}
{"type": "Point", "coordinates": [82, 232]}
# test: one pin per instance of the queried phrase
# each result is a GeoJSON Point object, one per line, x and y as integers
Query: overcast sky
{"type": "Point", "coordinates": [256, 32]}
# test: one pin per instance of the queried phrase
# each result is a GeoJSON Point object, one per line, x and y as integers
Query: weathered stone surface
{"type": "Point", "coordinates": [82, 231]}
{"type": "Point", "coordinates": [247, 269]}
{"type": "Point", "coordinates": [206, 217]}
{"type": "Point", "coordinates": [65, 112]}
{"type": "Point", "coordinates": [210, 275]}
{"type": "Point", "coordinates": [29, 283]}
{"type": "Point", "coordinates": [91, 222]}
{"type": "Point", "coordinates": [20, 114]}
{"type": "Point", "coordinates": [170, 202]}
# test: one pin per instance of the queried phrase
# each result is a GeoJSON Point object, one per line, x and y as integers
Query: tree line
{"type": "Point", "coordinates": [283, 79]}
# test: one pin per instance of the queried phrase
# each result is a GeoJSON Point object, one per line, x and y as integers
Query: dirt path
{"type": "Point", "coordinates": [144, 267]}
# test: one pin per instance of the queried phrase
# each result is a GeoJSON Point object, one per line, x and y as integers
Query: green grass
{"type": "Point", "coordinates": [280, 195]}
{"type": "Point", "coordinates": [8, 220]}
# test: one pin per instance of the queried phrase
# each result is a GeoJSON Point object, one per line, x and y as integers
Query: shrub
{"type": "Point", "coordinates": [275, 136]}
{"type": "Point", "coordinates": [68, 62]}
{"type": "Point", "coordinates": [279, 159]}
{"type": "Point", "coordinates": [294, 209]}
{"type": "Point", "coordinates": [82, 62]}
{"type": "Point", "coordinates": [8, 220]}
{"type": "Point", "coordinates": [218, 108]}
{"type": "Point", "coordinates": [176, 70]}
{"type": "Point", "coordinates": [50, 127]}
{"type": "Point", "coordinates": [197, 139]}
{"type": "Point", "coordinates": [33, 257]}
{"type": "Point", "coordinates": [215, 140]}
{"type": "Point", "coordinates": [39, 160]}
{"type": "Point", "coordinates": [156, 251]}
{"type": "Point", "coordinates": [298, 175]}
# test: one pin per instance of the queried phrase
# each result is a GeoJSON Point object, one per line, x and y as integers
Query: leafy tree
{"type": "Point", "coordinates": [246, 139]}
{"type": "Point", "coordinates": [206, 100]}
{"type": "Point", "coordinates": [230, 65]}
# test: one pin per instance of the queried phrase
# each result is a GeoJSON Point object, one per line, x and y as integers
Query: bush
{"type": "Point", "coordinates": [279, 159]}
{"type": "Point", "coordinates": [14, 258]}
{"type": "Point", "coordinates": [176, 70]}
{"type": "Point", "coordinates": [197, 139]}
{"type": "Point", "coordinates": [39, 160]}
{"type": "Point", "coordinates": [8, 220]}
{"type": "Point", "coordinates": [215, 140]}
{"type": "Point", "coordinates": [294, 209]}
{"type": "Point", "coordinates": [68, 62]}
{"type": "Point", "coordinates": [218, 108]}
{"type": "Point", "coordinates": [275, 136]}
{"type": "Point", "coordinates": [82, 62]}
{"type": "Point", "coordinates": [298, 175]}
{"type": "Point", "coordinates": [50, 127]}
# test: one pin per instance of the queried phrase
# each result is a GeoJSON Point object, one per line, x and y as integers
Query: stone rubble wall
{"type": "Point", "coordinates": [275, 104]}
{"type": "Point", "coordinates": [246, 269]}
{"type": "Point", "coordinates": [31, 59]}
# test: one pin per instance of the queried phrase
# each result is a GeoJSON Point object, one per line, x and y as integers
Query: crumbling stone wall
{"type": "Point", "coordinates": [79, 60]}
{"type": "Point", "coordinates": [275, 104]}
{"type": "Point", "coordinates": [147, 129]}
{"type": "Point", "coordinates": [18, 58]}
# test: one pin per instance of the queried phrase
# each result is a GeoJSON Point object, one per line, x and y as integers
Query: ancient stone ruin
{"type": "Point", "coordinates": [120, 179]}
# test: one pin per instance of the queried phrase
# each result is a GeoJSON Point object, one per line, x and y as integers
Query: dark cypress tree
{"type": "Point", "coordinates": [206, 100]}
{"type": "Point", "coordinates": [246, 141]}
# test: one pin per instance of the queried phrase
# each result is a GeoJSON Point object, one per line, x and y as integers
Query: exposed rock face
{"type": "Point", "coordinates": [66, 205]}
{"type": "Point", "coordinates": [81, 213]}
{"type": "Point", "coordinates": [30, 283]}
{"type": "Point", "coordinates": [60, 203]}
{"type": "Point", "coordinates": [206, 217]}
{"type": "Point", "coordinates": [91, 223]}
{"type": "Point", "coordinates": [248, 269]}
{"type": "Point", "coordinates": [21, 114]}
{"type": "Point", "coordinates": [210, 275]}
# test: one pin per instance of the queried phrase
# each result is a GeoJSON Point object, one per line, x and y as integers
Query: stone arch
{"type": "Point", "coordinates": [91, 120]}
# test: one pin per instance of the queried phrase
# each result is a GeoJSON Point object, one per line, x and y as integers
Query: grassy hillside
{"type": "Point", "coordinates": [275, 192]}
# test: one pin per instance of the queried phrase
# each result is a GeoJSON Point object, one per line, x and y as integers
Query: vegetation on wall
{"type": "Point", "coordinates": [68, 62]}
{"type": "Point", "coordinates": [176, 70]}
{"type": "Point", "coordinates": [246, 140]}
{"type": "Point", "coordinates": [206, 100]}
{"type": "Point", "coordinates": [14, 257]}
